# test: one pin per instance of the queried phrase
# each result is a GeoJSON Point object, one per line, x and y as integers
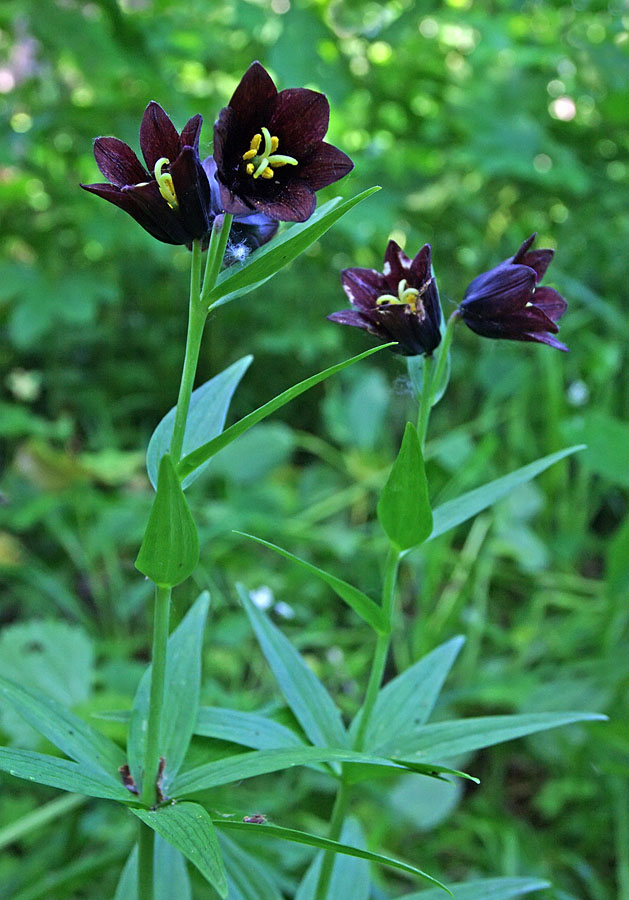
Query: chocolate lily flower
{"type": "Point", "coordinates": [270, 152]}
{"type": "Point", "coordinates": [507, 303]}
{"type": "Point", "coordinates": [172, 199]}
{"type": "Point", "coordinates": [401, 303]}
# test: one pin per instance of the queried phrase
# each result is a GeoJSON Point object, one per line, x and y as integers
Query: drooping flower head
{"type": "Point", "coordinates": [269, 149]}
{"type": "Point", "coordinates": [401, 303]}
{"type": "Point", "coordinates": [506, 302]}
{"type": "Point", "coordinates": [170, 198]}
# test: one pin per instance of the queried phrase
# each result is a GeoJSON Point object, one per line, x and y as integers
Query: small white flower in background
{"type": "Point", "coordinates": [578, 393]}
{"type": "Point", "coordinates": [262, 597]}
{"type": "Point", "coordinates": [335, 656]}
{"type": "Point", "coordinates": [284, 610]}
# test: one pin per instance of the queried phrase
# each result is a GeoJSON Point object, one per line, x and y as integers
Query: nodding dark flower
{"type": "Point", "coordinates": [270, 152]}
{"type": "Point", "coordinates": [171, 197]}
{"type": "Point", "coordinates": [507, 303]}
{"type": "Point", "coordinates": [401, 303]}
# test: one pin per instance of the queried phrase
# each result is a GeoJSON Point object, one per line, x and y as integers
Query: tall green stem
{"type": "Point", "coordinates": [433, 377]}
{"type": "Point", "coordinates": [425, 401]}
{"type": "Point", "coordinates": [146, 839]}
{"type": "Point", "coordinates": [216, 253]}
{"type": "Point", "coordinates": [156, 697]}
{"type": "Point", "coordinates": [339, 812]}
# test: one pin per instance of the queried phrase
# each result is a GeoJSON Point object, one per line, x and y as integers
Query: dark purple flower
{"type": "Point", "coordinates": [172, 199]}
{"type": "Point", "coordinates": [401, 303]}
{"type": "Point", "coordinates": [270, 152]}
{"type": "Point", "coordinates": [507, 303]}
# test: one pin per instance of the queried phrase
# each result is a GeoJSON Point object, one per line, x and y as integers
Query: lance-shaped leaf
{"type": "Point", "coordinates": [206, 418]}
{"type": "Point", "coordinates": [246, 728]}
{"type": "Point", "coordinates": [454, 512]}
{"type": "Point", "coordinates": [189, 829]}
{"type": "Point", "coordinates": [363, 605]}
{"type": "Point", "coordinates": [350, 875]}
{"type": "Point", "coordinates": [443, 740]}
{"type": "Point", "coordinates": [263, 263]}
{"type": "Point", "coordinates": [404, 507]}
{"type": "Point", "coordinates": [313, 707]}
{"type": "Point", "coordinates": [181, 697]}
{"type": "Point", "coordinates": [62, 774]}
{"type": "Point", "coordinates": [68, 732]}
{"type": "Point", "coordinates": [406, 702]}
{"type": "Point", "coordinates": [197, 458]}
{"type": "Point", "coordinates": [170, 549]}
{"type": "Point", "coordinates": [485, 889]}
{"type": "Point", "coordinates": [170, 875]}
{"type": "Point", "coordinates": [313, 840]}
{"type": "Point", "coordinates": [247, 876]}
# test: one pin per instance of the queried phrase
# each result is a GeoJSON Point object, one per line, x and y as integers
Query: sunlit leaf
{"type": "Point", "coordinates": [404, 506]}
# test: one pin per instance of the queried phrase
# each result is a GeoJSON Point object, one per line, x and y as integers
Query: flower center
{"type": "Point", "coordinates": [407, 296]}
{"type": "Point", "coordinates": [262, 160]}
{"type": "Point", "coordinates": [165, 182]}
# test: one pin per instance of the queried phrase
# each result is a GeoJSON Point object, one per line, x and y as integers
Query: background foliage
{"type": "Point", "coordinates": [483, 122]}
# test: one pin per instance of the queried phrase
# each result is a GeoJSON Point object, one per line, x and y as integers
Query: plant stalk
{"type": "Point", "coordinates": [156, 697]}
{"type": "Point", "coordinates": [337, 819]}
{"type": "Point", "coordinates": [146, 840]}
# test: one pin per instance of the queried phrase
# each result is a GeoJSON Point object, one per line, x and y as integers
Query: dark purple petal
{"type": "Point", "coordinates": [397, 267]}
{"type": "Point", "coordinates": [193, 192]}
{"type": "Point", "coordinates": [300, 118]}
{"type": "Point", "coordinates": [127, 201]}
{"type": "Point", "coordinates": [191, 132]}
{"type": "Point", "coordinates": [118, 162]}
{"type": "Point", "coordinates": [253, 98]}
{"type": "Point", "coordinates": [150, 203]}
{"type": "Point", "coordinates": [421, 267]}
{"type": "Point", "coordinates": [295, 202]}
{"type": "Point", "coordinates": [550, 302]}
{"type": "Point", "coordinates": [325, 165]}
{"type": "Point", "coordinates": [416, 336]}
{"type": "Point", "coordinates": [501, 291]}
{"type": "Point", "coordinates": [352, 317]}
{"type": "Point", "coordinates": [363, 287]}
{"type": "Point", "coordinates": [539, 260]}
{"type": "Point", "coordinates": [523, 249]}
{"type": "Point", "coordinates": [544, 338]}
{"type": "Point", "coordinates": [158, 136]}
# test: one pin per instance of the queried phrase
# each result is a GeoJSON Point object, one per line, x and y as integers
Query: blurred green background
{"type": "Point", "coordinates": [483, 122]}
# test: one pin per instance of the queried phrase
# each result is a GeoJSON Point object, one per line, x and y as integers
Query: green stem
{"type": "Point", "coordinates": [425, 400]}
{"type": "Point", "coordinates": [434, 376]}
{"type": "Point", "coordinates": [145, 862]}
{"type": "Point", "coordinates": [156, 697]}
{"type": "Point", "coordinates": [339, 812]}
{"type": "Point", "coordinates": [216, 254]}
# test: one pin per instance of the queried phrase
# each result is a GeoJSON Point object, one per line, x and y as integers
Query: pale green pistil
{"type": "Point", "coordinates": [406, 296]}
{"type": "Point", "coordinates": [165, 182]}
{"type": "Point", "coordinates": [261, 162]}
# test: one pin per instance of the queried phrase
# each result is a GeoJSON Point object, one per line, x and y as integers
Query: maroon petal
{"type": "Point", "coordinates": [523, 249]}
{"type": "Point", "coordinates": [550, 302]}
{"type": "Point", "coordinates": [158, 136]}
{"type": "Point", "coordinates": [128, 202]}
{"type": "Point", "coordinates": [352, 317]}
{"type": "Point", "coordinates": [544, 338]}
{"type": "Point", "coordinates": [255, 90]}
{"type": "Point", "coordinates": [193, 192]}
{"type": "Point", "coordinates": [190, 134]}
{"type": "Point", "coordinates": [397, 266]}
{"type": "Point", "coordinates": [300, 118]}
{"type": "Point", "coordinates": [147, 199]}
{"type": "Point", "coordinates": [538, 260]}
{"type": "Point", "coordinates": [501, 291]}
{"type": "Point", "coordinates": [363, 287]}
{"type": "Point", "coordinates": [118, 162]}
{"type": "Point", "coordinates": [294, 203]}
{"type": "Point", "coordinates": [325, 165]}
{"type": "Point", "coordinates": [421, 267]}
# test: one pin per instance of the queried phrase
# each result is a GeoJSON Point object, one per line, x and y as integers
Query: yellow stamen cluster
{"type": "Point", "coordinates": [407, 296]}
{"type": "Point", "coordinates": [165, 182]}
{"type": "Point", "coordinates": [260, 163]}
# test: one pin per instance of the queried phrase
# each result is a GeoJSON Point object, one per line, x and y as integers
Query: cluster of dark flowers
{"type": "Point", "coordinates": [269, 158]}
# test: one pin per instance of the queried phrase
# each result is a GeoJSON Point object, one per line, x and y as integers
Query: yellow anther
{"type": "Point", "coordinates": [256, 140]}
{"type": "Point", "coordinates": [249, 154]}
{"type": "Point", "coordinates": [250, 168]}
{"type": "Point", "coordinates": [165, 182]}
{"type": "Point", "coordinates": [267, 173]}
{"type": "Point", "coordinates": [275, 142]}
{"type": "Point", "coordinates": [405, 297]}
{"type": "Point", "coordinates": [261, 160]}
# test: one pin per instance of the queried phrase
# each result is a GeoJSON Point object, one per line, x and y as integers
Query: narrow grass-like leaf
{"type": "Point", "coordinates": [197, 458]}
{"type": "Point", "coordinates": [61, 773]}
{"type": "Point", "coordinates": [246, 877]}
{"type": "Point", "coordinates": [454, 512]}
{"type": "Point", "coordinates": [171, 878]}
{"type": "Point", "coordinates": [61, 882]}
{"type": "Point", "coordinates": [406, 702]}
{"type": "Point", "coordinates": [206, 418]}
{"type": "Point", "coordinates": [189, 829]}
{"type": "Point", "coordinates": [263, 263]}
{"type": "Point", "coordinates": [248, 729]}
{"type": "Point", "coordinates": [404, 506]}
{"type": "Point", "coordinates": [313, 707]}
{"type": "Point", "coordinates": [443, 740]}
{"type": "Point", "coordinates": [313, 840]}
{"type": "Point", "coordinates": [354, 773]}
{"type": "Point", "coordinates": [485, 889]}
{"type": "Point", "coordinates": [170, 549]}
{"type": "Point", "coordinates": [350, 875]}
{"type": "Point", "coordinates": [359, 602]}
{"type": "Point", "coordinates": [68, 732]}
{"type": "Point", "coordinates": [181, 696]}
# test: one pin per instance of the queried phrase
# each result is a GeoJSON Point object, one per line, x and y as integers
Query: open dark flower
{"type": "Point", "coordinates": [172, 200]}
{"type": "Point", "coordinates": [401, 303]}
{"type": "Point", "coordinates": [507, 303]}
{"type": "Point", "coordinates": [269, 149]}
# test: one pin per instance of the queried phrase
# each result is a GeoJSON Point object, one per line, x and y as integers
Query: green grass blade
{"type": "Point", "coordinates": [248, 729]}
{"type": "Point", "coordinates": [485, 889]}
{"type": "Point", "coordinates": [61, 773]}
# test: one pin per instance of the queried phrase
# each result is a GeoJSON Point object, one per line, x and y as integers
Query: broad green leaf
{"type": "Point", "coordinates": [485, 889]}
{"type": "Point", "coordinates": [607, 444]}
{"type": "Point", "coordinates": [189, 829]}
{"type": "Point", "coordinates": [406, 702]}
{"type": "Point", "coordinates": [248, 729]}
{"type": "Point", "coordinates": [404, 506]}
{"type": "Point", "coordinates": [454, 512]}
{"type": "Point", "coordinates": [443, 740]}
{"type": "Point", "coordinates": [171, 878]}
{"type": "Point", "coordinates": [313, 840]}
{"type": "Point", "coordinates": [206, 418]}
{"type": "Point", "coordinates": [170, 548]}
{"type": "Point", "coordinates": [263, 263]}
{"type": "Point", "coordinates": [181, 697]}
{"type": "Point", "coordinates": [246, 876]}
{"type": "Point", "coordinates": [68, 732]}
{"type": "Point", "coordinates": [62, 774]}
{"type": "Point", "coordinates": [193, 460]}
{"type": "Point", "coordinates": [313, 707]}
{"type": "Point", "coordinates": [350, 875]}
{"type": "Point", "coordinates": [359, 602]}
{"type": "Point", "coordinates": [355, 773]}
